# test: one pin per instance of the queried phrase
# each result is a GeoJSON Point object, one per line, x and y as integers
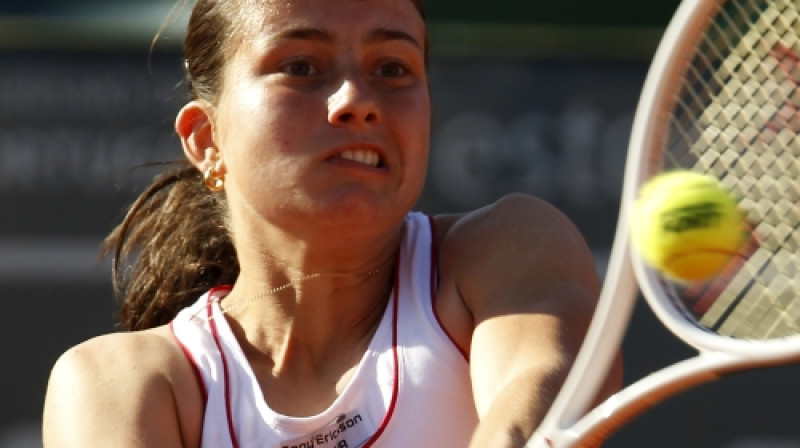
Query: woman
{"type": "Point", "coordinates": [313, 307]}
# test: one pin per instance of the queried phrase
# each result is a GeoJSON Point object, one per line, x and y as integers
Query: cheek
{"type": "Point", "coordinates": [289, 119]}
{"type": "Point", "coordinates": [414, 112]}
{"type": "Point", "coordinates": [257, 131]}
{"type": "Point", "coordinates": [417, 128]}
{"type": "Point", "coordinates": [414, 137]}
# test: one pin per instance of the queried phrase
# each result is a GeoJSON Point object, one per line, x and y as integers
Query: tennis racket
{"type": "Point", "coordinates": [721, 97]}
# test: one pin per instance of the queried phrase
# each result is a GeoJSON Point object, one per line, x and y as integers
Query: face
{"type": "Point", "coordinates": [324, 114]}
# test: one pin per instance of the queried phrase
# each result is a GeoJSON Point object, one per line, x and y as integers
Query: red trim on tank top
{"type": "Point", "coordinates": [193, 362]}
{"type": "Point", "coordinates": [225, 372]}
{"type": "Point", "coordinates": [434, 283]}
{"type": "Point", "coordinates": [396, 386]}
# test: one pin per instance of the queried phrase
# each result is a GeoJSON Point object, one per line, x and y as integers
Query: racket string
{"type": "Point", "coordinates": [737, 117]}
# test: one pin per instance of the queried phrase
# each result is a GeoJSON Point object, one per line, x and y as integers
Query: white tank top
{"type": "Point", "coordinates": [411, 388]}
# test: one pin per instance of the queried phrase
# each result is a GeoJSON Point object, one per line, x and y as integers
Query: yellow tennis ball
{"type": "Point", "coordinates": [686, 226]}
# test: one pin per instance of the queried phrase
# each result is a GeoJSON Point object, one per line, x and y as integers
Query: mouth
{"type": "Point", "coordinates": [363, 156]}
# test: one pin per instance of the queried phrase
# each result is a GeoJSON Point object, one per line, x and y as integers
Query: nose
{"type": "Point", "coordinates": [353, 104]}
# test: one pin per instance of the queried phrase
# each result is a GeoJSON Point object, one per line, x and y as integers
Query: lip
{"type": "Point", "coordinates": [359, 155]}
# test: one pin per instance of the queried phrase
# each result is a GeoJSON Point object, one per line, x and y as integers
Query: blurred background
{"type": "Point", "coordinates": [535, 96]}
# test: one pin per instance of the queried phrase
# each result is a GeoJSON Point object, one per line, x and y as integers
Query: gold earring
{"type": "Point", "coordinates": [213, 180]}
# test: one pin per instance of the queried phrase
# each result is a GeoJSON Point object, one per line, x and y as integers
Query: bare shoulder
{"type": "Point", "coordinates": [521, 211]}
{"type": "Point", "coordinates": [516, 232]}
{"type": "Point", "coordinates": [519, 257]}
{"type": "Point", "coordinates": [118, 388]}
{"type": "Point", "coordinates": [121, 347]}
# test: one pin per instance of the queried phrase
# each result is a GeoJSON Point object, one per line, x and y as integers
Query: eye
{"type": "Point", "coordinates": [391, 70]}
{"type": "Point", "coordinates": [300, 69]}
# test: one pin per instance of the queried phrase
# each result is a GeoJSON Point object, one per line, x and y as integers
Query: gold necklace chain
{"type": "Point", "coordinates": [295, 282]}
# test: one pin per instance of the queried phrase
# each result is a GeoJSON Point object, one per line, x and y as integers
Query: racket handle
{"type": "Point", "coordinates": [605, 427]}
{"type": "Point", "coordinates": [619, 409]}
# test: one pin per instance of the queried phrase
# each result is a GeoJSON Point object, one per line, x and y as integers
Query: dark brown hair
{"type": "Point", "coordinates": [175, 235]}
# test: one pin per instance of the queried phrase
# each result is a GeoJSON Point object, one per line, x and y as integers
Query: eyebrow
{"type": "Point", "coordinates": [386, 35]}
{"type": "Point", "coordinates": [377, 36]}
{"type": "Point", "coordinates": [305, 34]}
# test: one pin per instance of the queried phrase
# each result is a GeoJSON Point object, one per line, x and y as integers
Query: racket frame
{"type": "Point", "coordinates": [568, 424]}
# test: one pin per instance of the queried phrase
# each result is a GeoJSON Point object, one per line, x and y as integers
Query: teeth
{"type": "Point", "coordinates": [365, 156]}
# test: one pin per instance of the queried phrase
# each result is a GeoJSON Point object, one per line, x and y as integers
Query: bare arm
{"type": "Point", "coordinates": [528, 280]}
{"type": "Point", "coordinates": [117, 390]}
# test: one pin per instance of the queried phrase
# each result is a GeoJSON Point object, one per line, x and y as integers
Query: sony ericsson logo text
{"type": "Point", "coordinates": [694, 217]}
{"type": "Point", "coordinates": [330, 435]}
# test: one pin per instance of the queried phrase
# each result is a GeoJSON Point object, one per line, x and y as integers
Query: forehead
{"type": "Point", "coordinates": [265, 17]}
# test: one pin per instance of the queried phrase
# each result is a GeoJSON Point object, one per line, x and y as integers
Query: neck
{"type": "Point", "coordinates": [319, 327]}
{"type": "Point", "coordinates": [302, 311]}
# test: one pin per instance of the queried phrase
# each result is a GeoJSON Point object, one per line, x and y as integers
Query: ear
{"type": "Point", "coordinates": [195, 129]}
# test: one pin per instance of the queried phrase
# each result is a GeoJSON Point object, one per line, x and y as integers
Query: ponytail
{"type": "Point", "coordinates": [177, 244]}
